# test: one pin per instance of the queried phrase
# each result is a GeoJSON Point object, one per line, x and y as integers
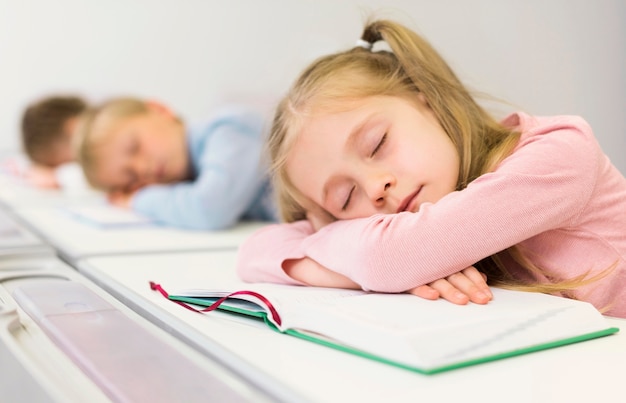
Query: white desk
{"type": "Point", "coordinates": [141, 360]}
{"type": "Point", "coordinates": [15, 193]}
{"type": "Point", "coordinates": [584, 372]}
{"type": "Point", "coordinates": [74, 239]}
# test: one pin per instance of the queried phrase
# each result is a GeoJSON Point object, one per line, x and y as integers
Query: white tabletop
{"type": "Point", "coordinates": [589, 371]}
{"type": "Point", "coordinates": [74, 238]}
{"type": "Point", "coordinates": [15, 193]}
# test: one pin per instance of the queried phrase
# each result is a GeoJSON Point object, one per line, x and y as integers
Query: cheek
{"type": "Point", "coordinates": [448, 170]}
{"type": "Point", "coordinates": [453, 160]}
{"type": "Point", "coordinates": [435, 160]}
{"type": "Point", "coordinates": [410, 160]}
{"type": "Point", "coordinates": [302, 182]}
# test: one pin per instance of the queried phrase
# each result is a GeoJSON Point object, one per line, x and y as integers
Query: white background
{"type": "Point", "coordinates": [543, 56]}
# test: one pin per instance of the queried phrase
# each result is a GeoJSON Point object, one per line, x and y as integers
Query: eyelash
{"type": "Point", "coordinates": [345, 205]}
{"type": "Point", "coordinates": [376, 149]}
{"type": "Point", "coordinates": [380, 144]}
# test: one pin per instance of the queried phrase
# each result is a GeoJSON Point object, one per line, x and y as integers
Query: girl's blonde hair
{"type": "Point", "coordinates": [412, 66]}
{"type": "Point", "coordinates": [92, 129]}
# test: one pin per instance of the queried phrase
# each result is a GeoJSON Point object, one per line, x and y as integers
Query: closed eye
{"type": "Point", "coordinates": [345, 205]}
{"type": "Point", "coordinates": [379, 145]}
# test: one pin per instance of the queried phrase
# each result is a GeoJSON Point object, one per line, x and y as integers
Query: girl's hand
{"type": "Point", "coordinates": [310, 272]}
{"type": "Point", "coordinates": [459, 288]}
{"type": "Point", "coordinates": [120, 198]}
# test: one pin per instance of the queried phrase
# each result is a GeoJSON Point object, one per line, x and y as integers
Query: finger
{"type": "Point", "coordinates": [450, 292]}
{"type": "Point", "coordinates": [463, 284]}
{"type": "Point", "coordinates": [115, 198]}
{"type": "Point", "coordinates": [479, 279]}
{"type": "Point", "coordinates": [425, 291]}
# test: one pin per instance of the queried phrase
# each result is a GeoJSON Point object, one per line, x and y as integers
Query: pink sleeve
{"type": "Point", "coordinates": [543, 185]}
{"type": "Point", "coordinates": [261, 256]}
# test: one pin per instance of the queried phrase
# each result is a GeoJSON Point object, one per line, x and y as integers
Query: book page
{"type": "Point", "coordinates": [424, 333]}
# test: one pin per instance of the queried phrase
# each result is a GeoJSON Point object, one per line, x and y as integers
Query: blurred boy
{"type": "Point", "coordinates": [208, 176]}
{"type": "Point", "coordinates": [47, 130]}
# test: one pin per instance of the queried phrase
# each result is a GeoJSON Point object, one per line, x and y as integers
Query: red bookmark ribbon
{"type": "Point", "coordinates": [273, 312]}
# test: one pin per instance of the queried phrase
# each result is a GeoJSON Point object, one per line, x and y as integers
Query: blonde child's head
{"type": "Point", "coordinates": [412, 68]}
{"type": "Point", "coordinates": [126, 143]}
{"type": "Point", "coordinates": [47, 128]}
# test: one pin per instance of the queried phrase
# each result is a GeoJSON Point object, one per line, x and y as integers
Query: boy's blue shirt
{"type": "Point", "coordinates": [229, 182]}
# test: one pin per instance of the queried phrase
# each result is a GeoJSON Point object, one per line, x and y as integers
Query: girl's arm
{"type": "Point", "coordinates": [459, 288]}
{"type": "Point", "coordinates": [543, 185]}
{"type": "Point", "coordinates": [309, 272]}
{"type": "Point", "coordinates": [273, 254]}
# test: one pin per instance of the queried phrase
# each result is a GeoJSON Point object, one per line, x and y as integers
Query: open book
{"type": "Point", "coordinates": [405, 330]}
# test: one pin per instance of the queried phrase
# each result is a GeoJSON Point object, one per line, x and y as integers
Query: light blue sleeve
{"type": "Point", "coordinates": [230, 176]}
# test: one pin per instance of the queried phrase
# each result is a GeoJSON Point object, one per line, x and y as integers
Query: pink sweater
{"type": "Point", "coordinates": [557, 195]}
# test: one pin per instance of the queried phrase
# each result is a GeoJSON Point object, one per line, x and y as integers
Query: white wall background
{"type": "Point", "coordinates": [546, 56]}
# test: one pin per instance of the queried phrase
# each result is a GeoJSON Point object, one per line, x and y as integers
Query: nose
{"type": "Point", "coordinates": [378, 189]}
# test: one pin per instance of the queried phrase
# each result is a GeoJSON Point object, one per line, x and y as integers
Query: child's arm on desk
{"type": "Point", "coordinates": [120, 198]}
{"type": "Point", "coordinates": [41, 176]}
{"type": "Point", "coordinates": [458, 288]}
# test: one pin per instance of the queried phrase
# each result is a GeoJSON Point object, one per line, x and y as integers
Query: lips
{"type": "Point", "coordinates": [408, 201]}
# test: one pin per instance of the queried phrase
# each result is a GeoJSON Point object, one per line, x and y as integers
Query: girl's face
{"type": "Point", "coordinates": [141, 150]}
{"type": "Point", "coordinates": [384, 155]}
